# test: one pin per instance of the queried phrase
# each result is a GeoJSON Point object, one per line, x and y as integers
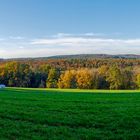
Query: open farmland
{"type": "Point", "coordinates": [69, 114]}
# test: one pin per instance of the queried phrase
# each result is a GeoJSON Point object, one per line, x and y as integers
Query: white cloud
{"type": "Point", "coordinates": [84, 41]}
{"type": "Point", "coordinates": [21, 47]}
{"type": "Point", "coordinates": [89, 34]}
{"type": "Point", "coordinates": [51, 51]}
{"type": "Point", "coordinates": [59, 35]}
{"type": "Point", "coordinates": [64, 44]}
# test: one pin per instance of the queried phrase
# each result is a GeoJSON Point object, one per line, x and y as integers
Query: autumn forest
{"type": "Point", "coordinates": [75, 73]}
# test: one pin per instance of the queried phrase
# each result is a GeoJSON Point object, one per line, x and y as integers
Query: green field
{"type": "Point", "coordinates": [69, 114]}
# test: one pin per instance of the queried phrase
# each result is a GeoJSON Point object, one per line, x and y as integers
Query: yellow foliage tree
{"type": "Point", "coordinates": [68, 79]}
{"type": "Point", "coordinates": [84, 79]}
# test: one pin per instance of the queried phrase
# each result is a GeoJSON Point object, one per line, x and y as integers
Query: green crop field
{"type": "Point", "coordinates": [69, 114]}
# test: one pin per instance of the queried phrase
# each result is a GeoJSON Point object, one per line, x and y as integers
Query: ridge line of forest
{"type": "Point", "coordinates": [79, 56]}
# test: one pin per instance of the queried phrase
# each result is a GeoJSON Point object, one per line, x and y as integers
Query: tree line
{"type": "Point", "coordinates": [72, 73]}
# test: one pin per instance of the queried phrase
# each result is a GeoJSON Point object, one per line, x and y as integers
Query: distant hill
{"type": "Point", "coordinates": [80, 56]}
{"type": "Point", "coordinates": [88, 56]}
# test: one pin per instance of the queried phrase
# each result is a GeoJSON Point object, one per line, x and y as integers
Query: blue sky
{"type": "Point", "coordinates": [33, 28]}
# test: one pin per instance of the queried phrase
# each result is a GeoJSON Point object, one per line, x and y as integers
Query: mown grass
{"type": "Point", "coordinates": [69, 114]}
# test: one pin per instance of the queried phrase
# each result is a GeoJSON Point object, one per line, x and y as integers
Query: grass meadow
{"type": "Point", "coordinates": [69, 114]}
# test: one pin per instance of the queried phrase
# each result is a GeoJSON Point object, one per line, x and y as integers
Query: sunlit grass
{"type": "Point", "coordinates": [69, 114]}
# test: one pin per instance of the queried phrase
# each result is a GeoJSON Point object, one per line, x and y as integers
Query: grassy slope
{"type": "Point", "coordinates": [69, 114]}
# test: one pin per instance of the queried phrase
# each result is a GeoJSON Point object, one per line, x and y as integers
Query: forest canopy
{"type": "Point", "coordinates": [101, 73]}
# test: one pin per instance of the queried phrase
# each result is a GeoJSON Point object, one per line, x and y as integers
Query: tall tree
{"type": "Point", "coordinates": [138, 81]}
{"type": "Point", "coordinates": [68, 79]}
{"type": "Point", "coordinates": [115, 78]}
{"type": "Point", "coordinates": [84, 79]}
{"type": "Point", "coordinates": [53, 78]}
